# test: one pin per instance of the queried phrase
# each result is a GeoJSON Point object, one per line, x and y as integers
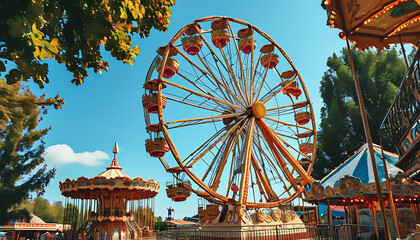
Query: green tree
{"type": "Point", "coordinates": [58, 211]}
{"type": "Point", "coordinates": [73, 32]}
{"type": "Point", "coordinates": [341, 129]}
{"type": "Point", "coordinates": [44, 210]}
{"type": "Point", "coordinates": [21, 149]}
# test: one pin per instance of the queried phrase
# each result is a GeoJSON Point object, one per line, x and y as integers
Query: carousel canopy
{"type": "Point", "coordinates": [375, 23]}
{"type": "Point", "coordinates": [360, 166]}
{"type": "Point", "coordinates": [113, 179]}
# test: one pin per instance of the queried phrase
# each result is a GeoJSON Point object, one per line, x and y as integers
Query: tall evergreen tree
{"type": "Point", "coordinates": [22, 171]}
{"type": "Point", "coordinates": [341, 129]}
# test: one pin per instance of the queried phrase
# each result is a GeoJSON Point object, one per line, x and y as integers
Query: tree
{"type": "Point", "coordinates": [44, 210]}
{"type": "Point", "coordinates": [58, 211]}
{"type": "Point", "coordinates": [341, 129]}
{"type": "Point", "coordinates": [72, 32]}
{"type": "Point", "coordinates": [22, 171]}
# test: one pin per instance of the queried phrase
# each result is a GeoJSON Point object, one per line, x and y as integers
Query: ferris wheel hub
{"type": "Point", "coordinates": [258, 109]}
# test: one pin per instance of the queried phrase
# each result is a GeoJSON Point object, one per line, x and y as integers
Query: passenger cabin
{"type": "Point", "coordinates": [178, 191]}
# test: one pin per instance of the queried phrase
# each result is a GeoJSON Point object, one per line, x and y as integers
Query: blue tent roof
{"type": "Point", "coordinates": [360, 166]}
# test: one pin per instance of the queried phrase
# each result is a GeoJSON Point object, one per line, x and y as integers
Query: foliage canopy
{"type": "Point", "coordinates": [21, 148]}
{"type": "Point", "coordinates": [341, 129]}
{"type": "Point", "coordinates": [72, 33]}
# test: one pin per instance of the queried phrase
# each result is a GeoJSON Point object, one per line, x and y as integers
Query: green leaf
{"type": "Point", "coordinates": [13, 76]}
{"type": "Point", "coordinates": [17, 26]}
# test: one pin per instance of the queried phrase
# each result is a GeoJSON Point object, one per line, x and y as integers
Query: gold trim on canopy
{"type": "Point", "coordinates": [375, 23]}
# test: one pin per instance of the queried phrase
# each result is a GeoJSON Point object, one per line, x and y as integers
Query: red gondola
{"type": "Point", "coordinates": [246, 45]}
{"type": "Point", "coordinates": [220, 38]}
{"type": "Point", "coordinates": [306, 148]}
{"type": "Point", "coordinates": [270, 60]}
{"type": "Point", "coordinates": [150, 102]}
{"type": "Point", "coordinates": [178, 192]}
{"type": "Point", "coordinates": [170, 69]}
{"type": "Point", "coordinates": [192, 45]}
{"type": "Point", "coordinates": [157, 147]}
{"type": "Point", "coordinates": [302, 118]}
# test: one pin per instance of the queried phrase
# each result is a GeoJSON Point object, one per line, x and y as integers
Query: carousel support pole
{"type": "Point", "coordinates": [370, 145]}
{"type": "Point", "coordinates": [390, 197]}
{"type": "Point", "coordinates": [317, 218]}
{"type": "Point", "coordinates": [375, 220]}
{"type": "Point", "coordinates": [330, 222]}
{"type": "Point", "coordinates": [403, 51]}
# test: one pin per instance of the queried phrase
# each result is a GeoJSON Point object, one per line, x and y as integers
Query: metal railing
{"type": "Point", "coordinates": [404, 112]}
{"type": "Point", "coordinates": [281, 232]}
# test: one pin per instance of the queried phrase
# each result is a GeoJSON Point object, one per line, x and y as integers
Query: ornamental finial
{"type": "Point", "coordinates": [115, 150]}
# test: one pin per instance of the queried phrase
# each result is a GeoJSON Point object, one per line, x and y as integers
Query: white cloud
{"type": "Point", "coordinates": [63, 154]}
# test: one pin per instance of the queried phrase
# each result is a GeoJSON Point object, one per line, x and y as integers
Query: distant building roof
{"type": "Point", "coordinates": [35, 219]}
{"type": "Point", "coordinates": [192, 219]}
{"type": "Point", "coordinates": [180, 222]}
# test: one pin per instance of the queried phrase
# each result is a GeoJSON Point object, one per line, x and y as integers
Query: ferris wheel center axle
{"type": "Point", "coordinates": [258, 110]}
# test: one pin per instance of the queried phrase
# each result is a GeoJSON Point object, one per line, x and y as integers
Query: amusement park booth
{"type": "Point", "coordinates": [109, 206]}
{"type": "Point", "coordinates": [36, 228]}
{"type": "Point", "coordinates": [352, 186]}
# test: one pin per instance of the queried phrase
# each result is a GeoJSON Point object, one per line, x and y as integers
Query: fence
{"type": "Point", "coordinates": [284, 232]}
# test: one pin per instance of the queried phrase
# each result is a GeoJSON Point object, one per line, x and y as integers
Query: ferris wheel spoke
{"type": "Point", "coordinates": [217, 61]}
{"type": "Point", "coordinates": [198, 102]}
{"type": "Point", "coordinates": [269, 140]}
{"type": "Point", "coordinates": [216, 181]}
{"type": "Point", "coordinates": [202, 71]}
{"type": "Point", "coordinates": [285, 135]}
{"type": "Point", "coordinates": [297, 150]}
{"type": "Point", "coordinates": [195, 84]}
{"type": "Point", "coordinates": [288, 124]}
{"type": "Point", "coordinates": [194, 105]}
{"type": "Point", "coordinates": [251, 77]}
{"type": "Point", "coordinates": [286, 190]}
{"type": "Point", "coordinates": [220, 84]}
{"type": "Point", "coordinates": [237, 149]}
{"type": "Point", "coordinates": [292, 106]}
{"type": "Point", "coordinates": [271, 195]}
{"type": "Point", "coordinates": [274, 91]}
{"type": "Point", "coordinates": [233, 76]}
{"type": "Point", "coordinates": [204, 147]}
{"type": "Point", "coordinates": [218, 156]}
{"type": "Point", "coordinates": [215, 143]}
{"type": "Point", "coordinates": [246, 165]}
{"type": "Point", "coordinates": [238, 52]}
{"type": "Point", "coordinates": [202, 95]}
{"type": "Point", "coordinates": [261, 189]}
{"type": "Point", "coordinates": [214, 55]}
{"type": "Point", "coordinates": [286, 154]}
{"type": "Point", "coordinates": [261, 84]}
{"type": "Point", "coordinates": [263, 155]}
{"type": "Point", "coordinates": [203, 120]}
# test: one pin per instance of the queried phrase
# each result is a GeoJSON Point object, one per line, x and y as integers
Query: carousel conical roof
{"type": "Point", "coordinates": [113, 179]}
{"type": "Point", "coordinates": [113, 171]}
{"type": "Point", "coordinates": [360, 166]}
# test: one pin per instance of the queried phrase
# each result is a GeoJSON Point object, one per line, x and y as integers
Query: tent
{"type": "Point", "coordinates": [353, 180]}
{"type": "Point", "coordinates": [360, 166]}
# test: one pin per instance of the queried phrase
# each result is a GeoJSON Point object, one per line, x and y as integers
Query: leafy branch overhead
{"type": "Point", "coordinates": [72, 32]}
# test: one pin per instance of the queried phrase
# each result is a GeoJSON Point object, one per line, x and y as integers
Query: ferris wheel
{"type": "Point", "coordinates": [233, 110]}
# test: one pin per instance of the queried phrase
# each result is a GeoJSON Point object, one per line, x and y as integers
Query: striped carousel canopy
{"type": "Point", "coordinates": [360, 166]}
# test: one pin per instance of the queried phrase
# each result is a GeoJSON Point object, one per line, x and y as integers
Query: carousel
{"type": "Point", "coordinates": [351, 186]}
{"type": "Point", "coordinates": [109, 206]}
{"type": "Point", "coordinates": [233, 117]}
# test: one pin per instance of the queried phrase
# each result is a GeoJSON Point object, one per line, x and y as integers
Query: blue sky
{"type": "Point", "coordinates": [107, 107]}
